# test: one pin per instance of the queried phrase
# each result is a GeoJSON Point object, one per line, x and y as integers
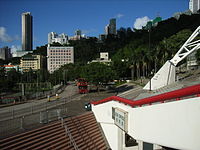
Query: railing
{"type": "Point", "coordinates": [84, 129]}
{"type": "Point", "coordinates": [67, 131]}
{"type": "Point", "coordinates": [79, 132]}
{"type": "Point", "coordinates": [177, 95]}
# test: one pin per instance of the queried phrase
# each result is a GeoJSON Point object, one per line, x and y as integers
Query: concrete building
{"type": "Point", "coordinates": [102, 37]}
{"type": "Point", "coordinates": [27, 31]}
{"type": "Point", "coordinates": [194, 5]}
{"type": "Point", "coordinates": [104, 58]}
{"type": "Point", "coordinates": [107, 29]}
{"type": "Point", "coordinates": [159, 122]}
{"type": "Point", "coordinates": [58, 56]}
{"type": "Point", "coordinates": [35, 62]}
{"type": "Point", "coordinates": [54, 37]}
{"type": "Point", "coordinates": [112, 26]}
{"type": "Point", "coordinates": [78, 32]}
{"type": "Point", "coordinates": [78, 35]}
{"type": "Point", "coordinates": [5, 53]}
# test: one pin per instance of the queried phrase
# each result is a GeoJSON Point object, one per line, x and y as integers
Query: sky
{"type": "Point", "coordinates": [90, 16]}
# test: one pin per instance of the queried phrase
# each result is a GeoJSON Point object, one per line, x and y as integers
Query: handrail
{"type": "Point", "coordinates": [177, 94]}
{"type": "Point", "coordinates": [84, 129]}
{"type": "Point", "coordinates": [79, 132]}
{"type": "Point", "coordinates": [67, 132]}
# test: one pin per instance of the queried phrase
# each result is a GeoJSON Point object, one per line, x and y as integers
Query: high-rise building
{"type": "Point", "coordinates": [78, 32]}
{"type": "Point", "coordinates": [107, 29]}
{"type": "Point", "coordinates": [54, 37]}
{"type": "Point", "coordinates": [27, 31]}
{"type": "Point", "coordinates": [58, 56]}
{"type": "Point", "coordinates": [194, 5]}
{"type": "Point", "coordinates": [5, 53]}
{"type": "Point", "coordinates": [112, 26]}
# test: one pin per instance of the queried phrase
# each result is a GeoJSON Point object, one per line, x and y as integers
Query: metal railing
{"type": "Point", "coordinates": [28, 121]}
{"type": "Point", "coordinates": [67, 131]}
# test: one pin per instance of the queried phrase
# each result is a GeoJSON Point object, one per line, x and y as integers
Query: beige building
{"type": "Point", "coordinates": [31, 61]}
{"type": "Point", "coordinates": [58, 56]}
{"type": "Point", "coordinates": [104, 58]}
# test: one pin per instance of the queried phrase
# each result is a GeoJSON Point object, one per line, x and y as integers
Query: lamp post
{"type": "Point", "coordinates": [151, 75]}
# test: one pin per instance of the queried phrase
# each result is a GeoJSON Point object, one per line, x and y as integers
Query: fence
{"type": "Point", "coordinates": [15, 121]}
{"type": "Point", "coordinates": [17, 98]}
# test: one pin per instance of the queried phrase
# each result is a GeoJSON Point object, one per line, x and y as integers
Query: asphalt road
{"type": "Point", "coordinates": [69, 94]}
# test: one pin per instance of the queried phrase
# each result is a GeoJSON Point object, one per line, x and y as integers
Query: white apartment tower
{"type": "Point", "coordinates": [58, 56]}
{"type": "Point", "coordinates": [54, 37]}
{"type": "Point", "coordinates": [194, 5]}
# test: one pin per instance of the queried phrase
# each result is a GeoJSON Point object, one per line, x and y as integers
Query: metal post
{"type": "Point", "coordinates": [13, 115]}
{"type": "Point", "coordinates": [47, 116]}
{"type": "Point", "coordinates": [22, 122]}
{"type": "Point", "coordinates": [150, 84]}
{"type": "Point", "coordinates": [32, 108]}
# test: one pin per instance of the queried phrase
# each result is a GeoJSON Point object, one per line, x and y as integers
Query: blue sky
{"type": "Point", "coordinates": [91, 16]}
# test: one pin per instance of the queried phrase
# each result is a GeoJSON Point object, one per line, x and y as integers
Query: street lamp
{"type": "Point", "coordinates": [151, 75]}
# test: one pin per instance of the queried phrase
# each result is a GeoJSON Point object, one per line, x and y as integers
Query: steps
{"type": "Point", "coordinates": [83, 128]}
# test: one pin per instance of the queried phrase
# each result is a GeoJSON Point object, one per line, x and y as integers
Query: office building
{"type": "Point", "coordinates": [77, 35]}
{"type": "Point", "coordinates": [112, 26]}
{"type": "Point", "coordinates": [78, 32]}
{"type": "Point", "coordinates": [5, 53]}
{"type": "Point", "coordinates": [55, 38]}
{"type": "Point", "coordinates": [194, 5]}
{"type": "Point", "coordinates": [34, 62]}
{"type": "Point", "coordinates": [58, 56]}
{"type": "Point", "coordinates": [107, 29]}
{"type": "Point", "coordinates": [27, 32]}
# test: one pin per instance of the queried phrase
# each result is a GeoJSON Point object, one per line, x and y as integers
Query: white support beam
{"type": "Point", "coordinates": [166, 75]}
{"type": "Point", "coordinates": [190, 46]}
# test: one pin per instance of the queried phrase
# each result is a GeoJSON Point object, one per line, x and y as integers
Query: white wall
{"type": "Point", "coordinates": [174, 124]}
{"type": "Point", "coordinates": [165, 76]}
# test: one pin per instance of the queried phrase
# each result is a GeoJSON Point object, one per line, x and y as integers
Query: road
{"type": "Point", "coordinates": [70, 93]}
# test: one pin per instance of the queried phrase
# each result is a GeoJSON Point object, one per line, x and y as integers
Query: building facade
{"type": "Point", "coordinates": [111, 27]}
{"type": "Point", "coordinates": [58, 56]}
{"type": "Point", "coordinates": [107, 31]}
{"type": "Point", "coordinates": [27, 31]}
{"type": "Point", "coordinates": [5, 53]}
{"type": "Point", "coordinates": [55, 38]}
{"type": "Point", "coordinates": [33, 62]}
{"type": "Point", "coordinates": [194, 5]}
{"type": "Point", "coordinates": [78, 35]}
{"type": "Point", "coordinates": [104, 59]}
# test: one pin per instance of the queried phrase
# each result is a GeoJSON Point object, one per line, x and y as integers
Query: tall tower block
{"type": "Point", "coordinates": [27, 31]}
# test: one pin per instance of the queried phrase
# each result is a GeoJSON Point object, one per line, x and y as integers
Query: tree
{"type": "Point", "coordinates": [98, 73]}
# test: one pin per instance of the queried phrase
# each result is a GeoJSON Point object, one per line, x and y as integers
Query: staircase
{"type": "Point", "coordinates": [75, 133]}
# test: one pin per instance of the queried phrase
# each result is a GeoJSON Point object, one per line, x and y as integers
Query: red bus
{"type": "Point", "coordinates": [82, 86]}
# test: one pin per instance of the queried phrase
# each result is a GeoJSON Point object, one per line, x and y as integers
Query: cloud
{"type": "Point", "coordinates": [140, 22]}
{"type": "Point", "coordinates": [14, 48]}
{"type": "Point", "coordinates": [4, 37]}
{"type": "Point", "coordinates": [119, 15]}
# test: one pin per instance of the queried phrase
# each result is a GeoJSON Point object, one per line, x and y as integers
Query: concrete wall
{"type": "Point", "coordinates": [174, 124]}
{"type": "Point", "coordinates": [165, 76]}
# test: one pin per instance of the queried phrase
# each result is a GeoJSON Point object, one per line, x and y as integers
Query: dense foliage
{"type": "Point", "coordinates": [134, 53]}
